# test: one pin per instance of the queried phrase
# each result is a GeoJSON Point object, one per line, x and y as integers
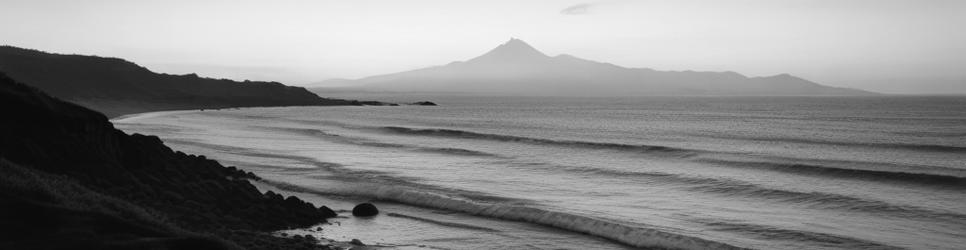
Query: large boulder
{"type": "Point", "coordinates": [365, 209]}
{"type": "Point", "coordinates": [327, 212]}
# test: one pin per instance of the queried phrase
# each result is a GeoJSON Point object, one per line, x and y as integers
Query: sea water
{"type": "Point", "coordinates": [610, 173]}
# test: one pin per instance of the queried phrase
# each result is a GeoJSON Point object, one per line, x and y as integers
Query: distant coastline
{"type": "Point", "coordinates": [116, 87]}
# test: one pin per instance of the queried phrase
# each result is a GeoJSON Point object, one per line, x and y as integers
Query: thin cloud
{"type": "Point", "coordinates": [577, 9]}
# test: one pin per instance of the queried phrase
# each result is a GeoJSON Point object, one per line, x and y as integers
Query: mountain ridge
{"type": "Point", "coordinates": [115, 86]}
{"type": "Point", "coordinates": [516, 68]}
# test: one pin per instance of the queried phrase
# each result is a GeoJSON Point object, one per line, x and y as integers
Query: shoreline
{"type": "Point", "coordinates": [559, 223]}
{"type": "Point", "coordinates": [69, 168]}
{"type": "Point", "coordinates": [337, 205]}
{"type": "Point", "coordinates": [150, 114]}
{"type": "Point", "coordinates": [639, 237]}
{"type": "Point", "coordinates": [262, 187]}
{"type": "Point", "coordinates": [391, 228]}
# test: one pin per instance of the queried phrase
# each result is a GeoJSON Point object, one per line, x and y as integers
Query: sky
{"type": "Point", "coordinates": [889, 46]}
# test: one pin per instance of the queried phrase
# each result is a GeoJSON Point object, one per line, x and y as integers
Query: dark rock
{"type": "Point", "coordinates": [365, 209]}
{"type": "Point", "coordinates": [424, 103]}
{"type": "Point", "coordinates": [374, 103]}
{"type": "Point", "coordinates": [356, 242]}
{"type": "Point", "coordinates": [192, 193]}
{"type": "Point", "coordinates": [327, 212]}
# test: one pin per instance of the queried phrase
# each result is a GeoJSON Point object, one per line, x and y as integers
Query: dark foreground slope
{"type": "Point", "coordinates": [114, 86]}
{"type": "Point", "coordinates": [68, 179]}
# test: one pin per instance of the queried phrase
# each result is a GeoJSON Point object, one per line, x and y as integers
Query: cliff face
{"type": "Point", "coordinates": [51, 137]}
{"type": "Point", "coordinates": [114, 86]}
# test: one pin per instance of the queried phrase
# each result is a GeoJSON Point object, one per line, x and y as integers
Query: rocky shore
{"type": "Point", "coordinates": [69, 179]}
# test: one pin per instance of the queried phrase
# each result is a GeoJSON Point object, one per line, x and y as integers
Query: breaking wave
{"type": "Point", "coordinates": [736, 188]}
{"type": "Point", "coordinates": [541, 141]}
{"type": "Point", "coordinates": [625, 234]}
{"type": "Point", "coordinates": [371, 143]}
{"type": "Point", "coordinates": [927, 179]}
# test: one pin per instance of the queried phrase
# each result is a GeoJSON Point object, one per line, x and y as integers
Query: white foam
{"type": "Point", "coordinates": [629, 235]}
{"type": "Point", "coordinates": [139, 116]}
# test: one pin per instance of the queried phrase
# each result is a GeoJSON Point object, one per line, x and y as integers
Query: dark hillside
{"type": "Point", "coordinates": [66, 148]}
{"type": "Point", "coordinates": [114, 86]}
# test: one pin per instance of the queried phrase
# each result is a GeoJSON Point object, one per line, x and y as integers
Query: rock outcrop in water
{"type": "Point", "coordinates": [114, 86]}
{"type": "Point", "coordinates": [69, 179]}
{"type": "Point", "coordinates": [424, 103]}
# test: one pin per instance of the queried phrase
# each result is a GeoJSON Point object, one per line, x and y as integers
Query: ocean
{"type": "Point", "coordinates": [609, 173]}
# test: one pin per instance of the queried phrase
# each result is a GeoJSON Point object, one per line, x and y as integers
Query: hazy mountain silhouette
{"type": "Point", "coordinates": [114, 86]}
{"type": "Point", "coordinates": [515, 67]}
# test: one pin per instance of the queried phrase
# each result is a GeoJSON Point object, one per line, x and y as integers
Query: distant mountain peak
{"type": "Point", "coordinates": [567, 56]}
{"type": "Point", "coordinates": [510, 51]}
{"type": "Point", "coordinates": [516, 68]}
{"type": "Point", "coordinates": [516, 42]}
